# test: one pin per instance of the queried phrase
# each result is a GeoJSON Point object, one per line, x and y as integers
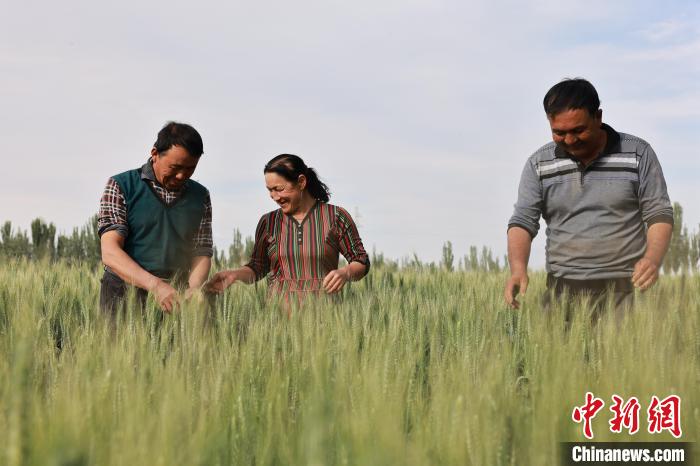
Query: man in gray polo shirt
{"type": "Point", "coordinates": [603, 197]}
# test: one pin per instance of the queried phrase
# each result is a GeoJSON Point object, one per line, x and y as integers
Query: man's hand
{"type": "Point", "coordinates": [519, 243]}
{"type": "Point", "coordinates": [517, 283]}
{"type": "Point", "coordinates": [165, 295]}
{"type": "Point", "coordinates": [645, 274]}
{"type": "Point", "coordinates": [220, 281]}
{"type": "Point", "coordinates": [646, 270]}
{"type": "Point", "coordinates": [335, 280]}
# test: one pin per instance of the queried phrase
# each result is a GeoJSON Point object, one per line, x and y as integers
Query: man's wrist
{"type": "Point", "coordinates": [153, 284]}
{"type": "Point", "coordinates": [657, 262]}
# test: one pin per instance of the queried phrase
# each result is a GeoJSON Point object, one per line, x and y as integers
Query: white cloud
{"type": "Point", "coordinates": [686, 52]}
{"type": "Point", "coordinates": [668, 29]}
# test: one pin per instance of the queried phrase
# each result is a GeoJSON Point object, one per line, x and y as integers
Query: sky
{"type": "Point", "coordinates": [418, 114]}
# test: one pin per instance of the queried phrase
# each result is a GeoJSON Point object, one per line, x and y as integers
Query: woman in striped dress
{"type": "Point", "coordinates": [298, 245]}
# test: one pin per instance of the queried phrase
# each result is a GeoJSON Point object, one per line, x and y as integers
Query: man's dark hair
{"type": "Point", "coordinates": [571, 94]}
{"type": "Point", "coordinates": [290, 167]}
{"type": "Point", "coordinates": [179, 134]}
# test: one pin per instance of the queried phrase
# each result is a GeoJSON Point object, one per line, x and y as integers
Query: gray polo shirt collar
{"type": "Point", "coordinates": [612, 145]}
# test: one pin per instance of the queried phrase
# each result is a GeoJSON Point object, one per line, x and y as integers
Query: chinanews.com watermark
{"type": "Point", "coordinates": [661, 415]}
{"type": "Point", "coordinates": [616, 453]}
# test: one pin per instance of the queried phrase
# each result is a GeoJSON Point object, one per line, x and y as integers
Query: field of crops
{"type": "Point", "coordinates": [413, 366]}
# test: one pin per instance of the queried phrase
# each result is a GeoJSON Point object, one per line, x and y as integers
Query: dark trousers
{"type": "Point", "coordinates": [113, 293]}
{"type": "Point", "coordinates": [619, 292]}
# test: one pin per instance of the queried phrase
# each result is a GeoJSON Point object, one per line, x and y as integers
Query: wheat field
{"type": "Point", "coordinates": [413, 366]}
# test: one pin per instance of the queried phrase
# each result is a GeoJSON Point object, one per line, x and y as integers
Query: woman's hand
{"type": "Point", "coordinates": [220, 281]}
{"type": "Point", "coordinates": [335, 280]}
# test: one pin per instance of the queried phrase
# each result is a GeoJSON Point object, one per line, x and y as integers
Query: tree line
{"type": "Point", "coordinates": [82, 245]}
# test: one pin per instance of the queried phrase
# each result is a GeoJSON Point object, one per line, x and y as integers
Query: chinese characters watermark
{"type": "Point", "coordinates": [662, 415]}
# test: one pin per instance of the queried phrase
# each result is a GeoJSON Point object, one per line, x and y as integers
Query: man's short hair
{"type": "Point", "coordinates": [179, 134]}
{"type": "Point", "coordinates": [571, 94]}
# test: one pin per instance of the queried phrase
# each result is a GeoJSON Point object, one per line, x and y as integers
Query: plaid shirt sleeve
{"type": "Point", "coordinates": [203, 241]}
{"type": "Point", "coordinates": [112, 214]}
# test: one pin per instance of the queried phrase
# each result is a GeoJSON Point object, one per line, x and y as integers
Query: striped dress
{"type": "Point", "coordinates": [296, 256]}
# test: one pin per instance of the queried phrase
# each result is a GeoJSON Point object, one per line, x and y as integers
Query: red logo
{"type": "Point", "coordinates": [626, 415]}
{"type": "Point", "coordinates": [662, 415]}
{"type": "Point", "coordinates": [587, 412]}
{"type": "Point", "coordinates": [665, 415]}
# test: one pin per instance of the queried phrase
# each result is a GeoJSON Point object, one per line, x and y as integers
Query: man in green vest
{"type": "Point", "coordinates": [155, 224]}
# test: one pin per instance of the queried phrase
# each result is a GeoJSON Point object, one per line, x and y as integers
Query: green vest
{"type": "Point", "coordinates": [161, 236]}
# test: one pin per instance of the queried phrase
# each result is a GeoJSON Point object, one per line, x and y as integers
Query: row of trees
{"type": "Point", "coordinates": [485, 261]}
{"type": "Point", "coordinates": [239, 251]}
{"type": "Point", "coordinates": [684, 251]}
{"type": "Point", "coordinates": [83, 245]}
